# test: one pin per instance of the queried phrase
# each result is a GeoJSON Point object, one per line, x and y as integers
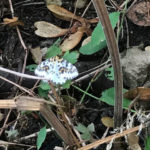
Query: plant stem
{"type": "Point", "coordinates": [114, 53]}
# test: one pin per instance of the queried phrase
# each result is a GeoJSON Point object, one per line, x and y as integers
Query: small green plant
{"type": "Point", "coordinates": [86, 132]}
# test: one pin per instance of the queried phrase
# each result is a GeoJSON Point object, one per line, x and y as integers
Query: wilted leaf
{"type": "Point", "coordinates": [107, 121]}
{"type": "Point", "coordinates": [143, 92]}
{"type": "Point", "coordinates": [139, 13]}
{"type": "Point", "coordinates": [80, 3]}
{"type": "Point", "coordinates": [147, 48]}
{"type": "Point", "coordinates": [62, 13]}
{"type": "Point", "coordinates": [86, 41]}
{"type": "Point", "coordinates": [48, 30]}
{"type": "Point", "coordinates": [36, 54]}
{"type": "Point", "coordinates": [54, 2]}
{"type": "Point", "coordinates": [10, 20]}
{"type": "Point", "coordinates": [70, 42]}
{"type": "Point", "coordinates": [133, 140]}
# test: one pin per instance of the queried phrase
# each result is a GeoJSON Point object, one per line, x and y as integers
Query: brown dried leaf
{"type": "Point", "coordinates": [139, 13]}
{"type": "Point", "coordinates": [107, 121]}
{"type": "Point", "coordinates": [70, 42]}
{"type": "Point", "coordinates": [48, 30]}
{"type": "Point", "coordinates": [133, 140]}
{"type": "Point", "coordinates": [36, 54]}
{"type": "Point", "coordinates": [62, 13]}
{"type": "Point", "coordinates": [8, 20]}
{"type": "Point", "coordinates": [143, 92]}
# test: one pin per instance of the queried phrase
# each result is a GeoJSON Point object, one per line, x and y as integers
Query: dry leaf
{"type": "Point", "coordinates": [133, 140]}
{"type": "Point", "coordinates": [87, 40]}
{"type": "Point", "coordinates": [62, 13]}
{"type": "Point", "coordinates": [139, 13]}
{"type": "Point", "coordinates": [70, 42]}
{"type": "Point", "coordinates": [54, 2]}
{"type": "Point", "coordinates": [143, 92]}
{"type": "Point", "coordinates": [36, 54]}
{"type": "Point", "coordinates": [147, 48]}
{"type": "Point", "coordinates": [107, 121]}
{"type": "Point", "coordinates": [48, 30]}
{"type": "Point", "coordinates": [80, 3]}
{"type": "Point", "coordinates": [8, 20]}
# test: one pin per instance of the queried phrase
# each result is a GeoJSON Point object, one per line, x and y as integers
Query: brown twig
{"type": "Point", "coordinates": [21, 40]}
{"type": "Point", "coordinates": [109, 138]}
{"type": "Point", "coordinates": [114, 52]}
{"type": "Point", "coordinates": [59, 101]}
{"type": "Point", "coordinates": [20, 87]}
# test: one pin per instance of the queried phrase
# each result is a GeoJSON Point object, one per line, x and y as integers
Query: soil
{"type": "Point", "coordinates": [12, 56]}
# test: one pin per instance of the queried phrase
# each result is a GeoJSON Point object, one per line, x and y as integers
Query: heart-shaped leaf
{"type": "Point", "coordinates": [48, 30]}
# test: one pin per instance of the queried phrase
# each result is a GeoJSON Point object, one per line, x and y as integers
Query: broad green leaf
{"type": "Point", "coordinates": [81, 128]}
{"type": "Point", "coordinates": [53, 50]}
{"type": "Point", "coordinates": [43, 93]}
{"type": "Point", "coordinates": [147, 143]}
{"type": "Point", "coordinates": [91, 127]}
{"type": "Point", "coordinates": [110, 74]}
{"type": "Point", "coordinates": [71, 57]}
{"type": "Point", "coordinates": [108, 97]}
{"type": "Point", "coordinates": [98, 40]}
{"type": "Point", "coordinates": [85, 133]}
{"type": "Point", "coordinates": [41, 137]}
{"type": "Point", "coordinates": [31, 67]}
{"type": "Point", "coordinates": [67, 84]}
{"type": "Point", "coordinates": [86, 136]}
{"type": "Point", "coordinates": [44, 85]}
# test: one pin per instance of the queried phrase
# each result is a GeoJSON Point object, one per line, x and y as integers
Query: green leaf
{"type": "Point", "coordinates": [67, 84]}
{"type": "Point", "coordinates": [43, 93]}
{"type": "Point", "coordinates": [12, 133]}
{"type": "Point", "coordinates": [44, 85]}
{"type": "Point", "coordinates": [86, 136]}
{"type": "Point", "coordinates": [91, 127]}
{"type": "Point", "coordinates": [71, 57]}
{"type": "Point", "coordinates": [110, 75]}
{"type": "Point", "coordinates": [85, 131]}
{"type": "Point", "coordinates": [31, 67]}
{"type": "Point", "coordinates": [81, 128]}
{"type": "Point", "coordinates": [98, 40]}
{"type": "Point", "coordinates": [53, 50]}
{"type": "Point", "coordinates": [41, 137]}
{"type": "Point", "coordinates": [147, 143]}
{"type": "Point", "coordinates": [108, 97]}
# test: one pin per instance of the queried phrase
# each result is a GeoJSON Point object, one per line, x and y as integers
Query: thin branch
{"type": "Point", "coordinates": [109, 138]}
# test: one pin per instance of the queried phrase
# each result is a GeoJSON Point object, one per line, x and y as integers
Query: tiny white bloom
{"type": "Point", "coordinates": [56, 70]}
